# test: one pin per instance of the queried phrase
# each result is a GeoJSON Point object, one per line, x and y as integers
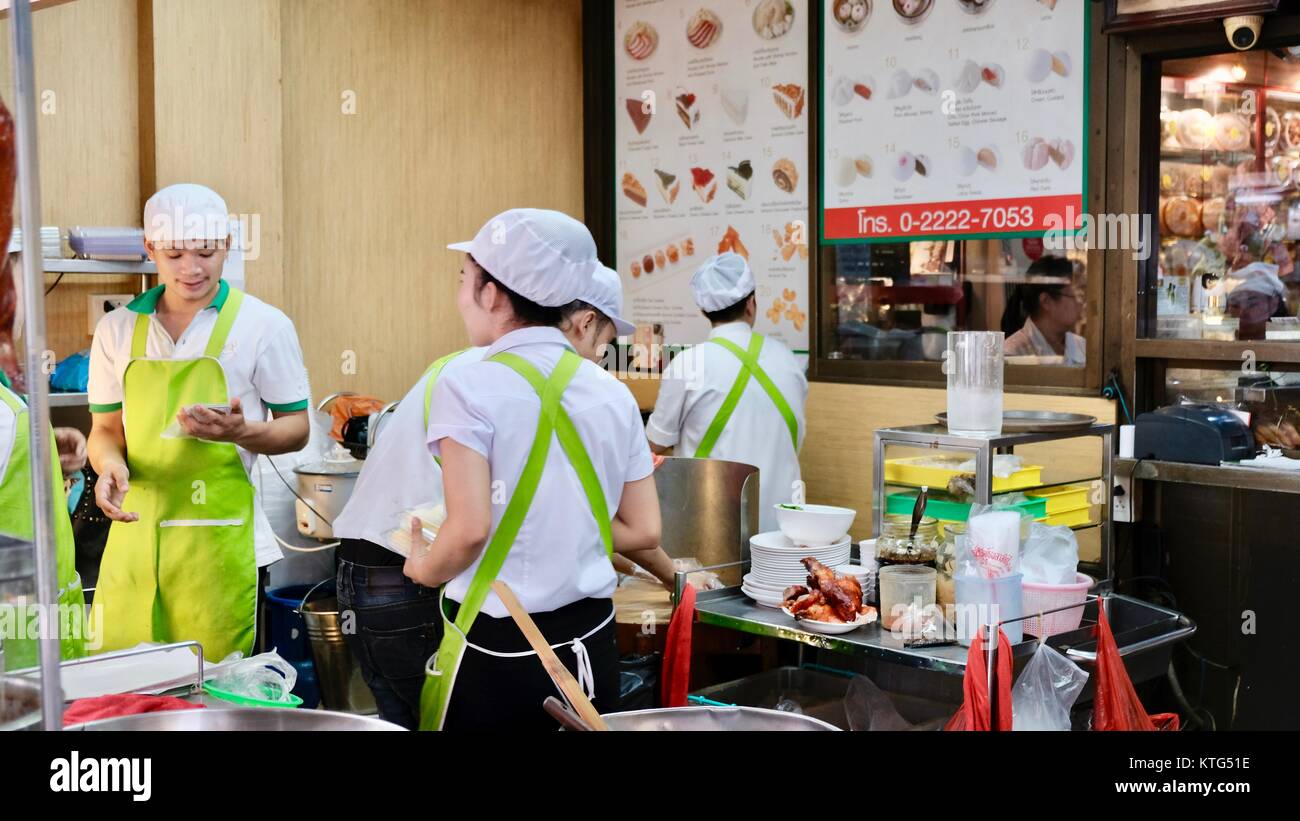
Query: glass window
{"type": "Point", "coordinates": [897, 301]}
{"type": "Point", "coordinates": [1229, 217]}
{"type": "Point", "coordinates": [1272, 399]}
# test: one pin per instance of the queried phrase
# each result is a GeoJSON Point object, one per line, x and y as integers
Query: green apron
{"type": "Point", "coordinates": [749, 367]}
{"type": "Point", "coordinates": [187, 570]}
{"type": "Point", "coordinates": [22, 649]}
{"type": "Point", "coordinates": [441, 671]}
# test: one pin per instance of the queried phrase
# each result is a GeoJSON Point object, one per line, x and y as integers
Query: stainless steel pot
{"type": "Point", "coordinates": [695, 719]}
{"type": "Point", "coordinates": [236, 720]}
{"type": "Point", "coordinates": [323, 489]}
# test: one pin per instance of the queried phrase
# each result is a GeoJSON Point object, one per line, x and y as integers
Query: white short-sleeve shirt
{"type": "Point", "coordinates": [262, 360]}
{"type": "Point", "coordinates": [558, 557]}
{"type": "Point", "coordinates": [695, 385]}
{"type": "Point", "coordinates": [398, 473]}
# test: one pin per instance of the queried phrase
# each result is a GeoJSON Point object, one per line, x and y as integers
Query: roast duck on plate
{"type": "Point", "coordinates": [827, 597]}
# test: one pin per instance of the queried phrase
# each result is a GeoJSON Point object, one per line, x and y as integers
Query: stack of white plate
{"type": "Point", "coordinates": [51, 241]}
{"type": "Point", "coordinates": [775, 565]}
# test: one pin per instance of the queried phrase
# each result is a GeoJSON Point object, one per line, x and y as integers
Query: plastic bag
{"type": "Point", "coordinates": [973, 715]}
{"type": "Point", "coordinates": [990, 547]}
{"type": "Point", "coordinates": [175, 431]}
{"type": "Point", "coordinates": [1046, 690]}
{"type": "Point", "coordinates": [1050, 555]}
{"type": "Point", "coordinates": [266, 676]}
{"type": "Point", "coordinates": [1116, 705]}
{"type": "Point", "coordinates": [867, 707]}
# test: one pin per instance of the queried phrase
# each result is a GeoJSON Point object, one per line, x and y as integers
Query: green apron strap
{"type": "Point", "coordinates": [434, 370]}
{"type": "Point", "coordinates": [140, 336]}
{"type": "Point", "coordinates": [225, 319]}
{"type": "Point", "coordinates": [571, 441]}
{"type": "Point", "coordinates": [729, 404]}
{"type": "Point", "coordinates": [522, 498]}
{"type": "Point", "coordinates": [750, 366]}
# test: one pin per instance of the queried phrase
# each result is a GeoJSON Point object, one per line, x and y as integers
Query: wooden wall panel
{"type": "Point", "coordinates": [87, 133]}
{"type": "Point", "coordinates": [217, 116]}
{"type": "Point", "coordinates": [461, 111]}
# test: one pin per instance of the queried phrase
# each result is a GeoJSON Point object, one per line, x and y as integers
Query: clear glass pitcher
{"type": "Point", "coordinates": [973, 364]}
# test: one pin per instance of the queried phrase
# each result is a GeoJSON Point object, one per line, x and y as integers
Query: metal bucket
{"type": "Point", "coordinates": [696, 719]}
{"type": "Point", "coordinates": [341, 685]}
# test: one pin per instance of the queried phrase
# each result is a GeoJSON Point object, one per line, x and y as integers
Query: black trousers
{"type": "Point", "coordinates": [493, 693]}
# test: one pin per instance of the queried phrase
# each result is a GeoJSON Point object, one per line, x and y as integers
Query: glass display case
{"type": "Point", "coordinates": [1229, 200]}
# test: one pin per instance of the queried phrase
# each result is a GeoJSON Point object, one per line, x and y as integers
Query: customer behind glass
{"type": "Point", "coordinates": [1257, 296]}
{"type": "Point", "coordinates": [1040, 316]}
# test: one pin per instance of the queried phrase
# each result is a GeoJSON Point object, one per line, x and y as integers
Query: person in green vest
{"type": "Point", "coordinates": [740, 396]}
{"type": "Point", "coordinates": [18, 639]}
{"type": "Point", "coordinates": [188, 384]}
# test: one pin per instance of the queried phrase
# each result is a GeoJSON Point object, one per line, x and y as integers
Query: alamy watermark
{"type": "Point", "coordinates": [1102, 232]}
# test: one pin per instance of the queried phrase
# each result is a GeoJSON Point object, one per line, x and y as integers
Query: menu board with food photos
{"type": "Point", "coordinates": [952, 118]}
{"type": "Point", "coordinates": [711, 155]}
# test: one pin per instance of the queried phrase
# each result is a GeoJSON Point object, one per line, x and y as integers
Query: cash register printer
{"type": "Point", "coordinates": [1200, 434]}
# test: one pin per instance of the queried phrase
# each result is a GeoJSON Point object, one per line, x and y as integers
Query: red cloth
{"type": "Point", "coordinates": [124, 704]}
{"type": "Point", "coordinates": [974, 711]}
{"type": "Point", "coordinates": [1116, 705]}
{"type": "Point", "coordinates": [677, 652]}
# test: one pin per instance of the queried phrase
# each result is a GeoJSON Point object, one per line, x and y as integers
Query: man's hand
{"type": "Point", "coordinates": [72, 449]}
{"type": "Point", "coordinates": [110, 491]}
{"type": "Point", "coordinates": [212, 426]}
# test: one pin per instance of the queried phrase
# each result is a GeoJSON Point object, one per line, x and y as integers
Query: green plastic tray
{"type": "Point", "coordinates": [948, 511]}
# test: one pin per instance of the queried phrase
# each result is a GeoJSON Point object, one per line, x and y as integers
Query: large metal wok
{"type": "Point", "coordinates": [249, 719]}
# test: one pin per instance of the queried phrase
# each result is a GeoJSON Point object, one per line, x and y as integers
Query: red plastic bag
{"type": "Point", "coordinates": [974, 711]}
{"type": "Point", "coordinates": [677, 652]}
{"type": "Point", "coordinates": [1116, 705]}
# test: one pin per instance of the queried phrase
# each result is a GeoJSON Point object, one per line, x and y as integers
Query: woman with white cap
{"type": "Point", "coordinates": [188, 383]}
{"type": "Point", "coordinates": [397, 623]}
{"type": "Point", "coordinates": [1257, 295]}
{"type": "Point", "coordinates": [546, 473]}
{"type": "Point", "coordinates": [741, 397]}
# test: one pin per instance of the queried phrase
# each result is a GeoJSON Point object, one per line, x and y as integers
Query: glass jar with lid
{"type": "Point", "coordinates": [895, 545]}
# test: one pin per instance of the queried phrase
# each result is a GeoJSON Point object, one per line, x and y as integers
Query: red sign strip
{"type": "Point", "coordinates": [968, 217]}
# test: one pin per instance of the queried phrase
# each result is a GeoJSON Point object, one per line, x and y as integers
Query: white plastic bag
{"type": "Point", "coordinates": [991, 547]}
{"type": "Point", "coordinates": [1050, 555]}
{"type": "Point", "coordinates": [266, 677]}
{"type": "Point", "coordinates": [1046, 690]}
{"type": "Point", "coordinates": [431, 515]}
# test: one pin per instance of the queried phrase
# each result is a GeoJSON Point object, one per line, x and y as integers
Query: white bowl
{"type": "Point", "coordinates": [833, 629]}
{"type": "Point", "coordinates": [815, 524]}
{"type": "Point", "coordinates": [857, 571]}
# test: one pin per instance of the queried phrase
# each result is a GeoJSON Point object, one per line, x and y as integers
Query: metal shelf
{"type": "Point", "coordinates": [68, 400]}
{"type": "Point", "coordinates": [1229, 476]}
{"type": "Point", "coordinates": [97, 266]}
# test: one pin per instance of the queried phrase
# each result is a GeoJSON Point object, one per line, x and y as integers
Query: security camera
{"type": "Point", "coordinates": [1243, 30]}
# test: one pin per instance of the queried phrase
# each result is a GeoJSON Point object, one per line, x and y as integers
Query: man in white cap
{"type": "Point", "coordinates": [1257, 295]}
{"type": "Point", "coordinates": [739, 397]}
{"type": "Point", "coordinates": [188, 383]}
{"type": "Point", "coordinates": [546, 473]}
{"type": "Point", "coordinates": [397, 622]}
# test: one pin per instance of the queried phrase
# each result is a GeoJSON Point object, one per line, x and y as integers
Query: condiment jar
{"type": "Point", "coordinates": [896, 546]}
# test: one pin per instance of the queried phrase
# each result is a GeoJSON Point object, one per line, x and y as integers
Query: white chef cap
{"type": "Point", "coordinates": [1258, 278]}
{"type": "Point", "coordinates": [722, 281]}
{"type": "Point", "coordinates": [544, 256]}
{"type": "Point", "coordinates": [184, 212]}
{"type": "Point", "coordinates": [606, 295]}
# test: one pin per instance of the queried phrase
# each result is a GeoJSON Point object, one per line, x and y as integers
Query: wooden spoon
{"type": "Point", "coordinates": [554, 667]}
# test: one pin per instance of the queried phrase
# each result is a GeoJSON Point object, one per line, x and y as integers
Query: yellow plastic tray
{"type": "Point", "coordinates": [1071, 518]}
{"type": "Point", "coordinates": [1063, 499]}
{"type": "Point", "coordinates": [908, 472]}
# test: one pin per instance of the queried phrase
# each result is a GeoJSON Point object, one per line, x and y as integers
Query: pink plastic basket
{"type": "Point", "coordinates": [1039, 597]}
